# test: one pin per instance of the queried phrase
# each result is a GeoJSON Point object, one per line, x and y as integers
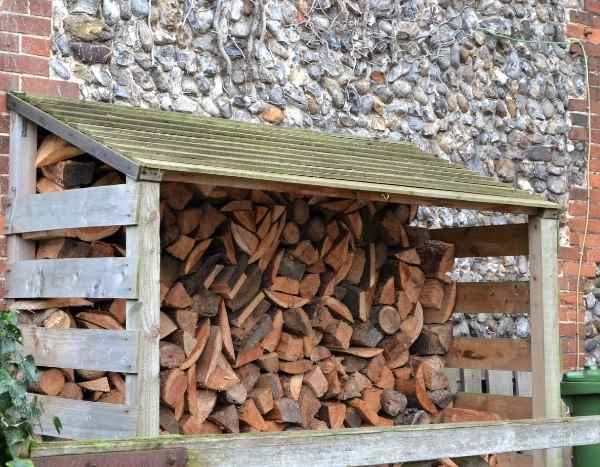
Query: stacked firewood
{"type": "Point", "coordinates": [278, 311]}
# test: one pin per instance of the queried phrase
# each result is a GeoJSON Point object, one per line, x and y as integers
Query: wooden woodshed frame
{"type": "Point", "coordinates": [150, 147]}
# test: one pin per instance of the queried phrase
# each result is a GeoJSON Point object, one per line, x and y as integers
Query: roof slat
{"type": "Point", "coordinates": [175, 142]}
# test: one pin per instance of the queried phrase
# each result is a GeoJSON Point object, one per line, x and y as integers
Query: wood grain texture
{"type": "Point", "coordinates": [63, 348]}
{"type": "Point", "coordinates": [492, 297]}
{"type": "Point", "coordinates": [360, 446]}
{"type": "Point", "coordinates": [84, 420]}
{"type": "Point", "coordinates": [489, 354]}
{"type": "Point", "coordinates": [500, 382]}
{"type": "Point", "coordinates": [149, 458]}
{"type": "Point", "coordinates": [22, 178]}
{"type": "Point", "coordinates": [508, 407]}
{"type": "Point", "coordinates": [143, 314]}
{"type": "Point", "coordinates": [84, 207]}
{"type": "Point", "coordinates": [74, 277]}
{"type": "Point", "coordinates": [546, 360]}
{"type": "Point", "coordinates": [490, 240]}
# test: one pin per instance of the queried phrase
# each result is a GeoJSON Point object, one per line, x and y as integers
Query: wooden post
{"type": "Point", "coordinates": [143, 314]}
{"type": "Point", "coordinates": [23, 150]}
{"type": "Point", "coordinates": [545, 348]}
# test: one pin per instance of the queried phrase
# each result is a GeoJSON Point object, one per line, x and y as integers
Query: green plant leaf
{"type": "Point", "coordinates": [20, 463]}
{"type": "Point", "coordinates": [57, 424]}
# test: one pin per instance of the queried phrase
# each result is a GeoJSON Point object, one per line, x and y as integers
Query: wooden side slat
{"type": "Point", "coordinates": [489, 354]}
{"type": "Point", "coordinates": [492, 297]}
{"type": "Point", "coordinates": [85, 349]}
{"type": "Point", "coordinates": [508, 407]}
{"type": "Point", "coordinates": [523, 380]}
{"type": "Point", "coordinates": [83, 419]}
{"type": "Point", "coordinates": [359, 446]}
{"type": "Point", "coordinates": [490, 240]}
{"type": "Point", "coordinates": [500, 382]}
{"type": "Point", "coordinates": [84, 207]}
{"type": "Point", "coordinates": [74, 277]}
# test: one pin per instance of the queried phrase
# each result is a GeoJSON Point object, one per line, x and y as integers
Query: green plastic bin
{"type": "Point", "coordinates": [581, 392]}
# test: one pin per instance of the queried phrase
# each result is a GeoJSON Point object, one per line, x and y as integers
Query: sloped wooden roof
{"type": "Point", "coordinates": [147, 144]}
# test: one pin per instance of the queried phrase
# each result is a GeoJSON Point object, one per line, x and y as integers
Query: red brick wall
{"type": "Point", "coordinates": [584, 25]}
{"type": "Point", "coordinates": [25, 27]}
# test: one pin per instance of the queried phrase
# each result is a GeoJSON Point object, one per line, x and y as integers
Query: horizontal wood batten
{"type": "Point", "coordinates": [492, 297]}
{"type": "Point", "coordinates": [508, 407]}
{"type": "Point", "coordinates": [84, 207]}
{"type": "Point", "coordinates": [63, 348]}
{"type": "Point", "coordinates": [514, 460]}
{"type": "Point", "coordinates": [76, 277]}
{"type": "Point", "coordinates": [489, 354]}
{"type": "Point", "coordinates": [84, 419]}
{"type": "Point", "coordinates": [360, 446]}
{"type": "Point", "coordinates": [489, 240]}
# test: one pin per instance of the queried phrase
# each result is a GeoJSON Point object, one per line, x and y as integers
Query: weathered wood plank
{"type": "Point", "coordinates": [508, 407]}
{"type": "Point", "coordinates": [360, 446]}
{"type": "Point", "coordinates": [62, 348]}
{"type": "Point", "coordinates": [500, 382]}
{"type": "Point", "coordinates": [489, 354]}
{"type": "Point", "coordinates": [546, 360]}
{"type": "Point", "coordinates": [84, 420]}
{"type": "Point", "coordinates": [23, 150]}
{"type": "Point", "coordinates": [489, 240]}
{"type": "Point", "coordinates": [472, 380]}
{"type": "Point", "coordinates": [85, 207]}
{"type": "Point", "coordinates": [143, 314]}
{"type": "Point", "coordinates": [74, 277]}
{"type": "Point", "coordinates": [523, 383]}
{"type": "Point", "coordinates": [492, 297]}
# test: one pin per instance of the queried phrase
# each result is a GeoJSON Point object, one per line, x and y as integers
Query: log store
{"type": "Point", "coordinates": [187, 275]}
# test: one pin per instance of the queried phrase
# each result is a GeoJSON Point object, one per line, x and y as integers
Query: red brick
{"type": "Point", "coordinates": [4, 123]}
{"type": "Point", "coordinates": [9, 42]}
{"type": "Point", "coordinates": [572, 267]}
{"type": "Point", "coordinates": [578, 105]}
{"type": "Point", "coordinates": [41, 8]}
{"type": "Point", "coordinates": [48, 87]}
{"type": "Point", "coordinates": [15, 6]}
{"type": "Point", "coordinates": [578, 193]}
{"type": "Point", "coordinates": [568, 298]}
{"type": "Point", "coordinates": [592, 6]}
{"type": "Point", "coordinates": [580, 17]}
{"type": "Point", "coordinates": [568, 345]}
{"type": "Point", "coordinates": [24, 64]}
{"type": "Point", "coordinates": [569, 362]}
{"type": "Point", "coordinates": [3, 107]}
{"type": "Point", "coordinates": [8, 82]}
{"type": "Point", "coordinates": [568, 329]}
{"type": "Point", "coordinates": [24, 24]}
{"type": "Point", "coordinates": [578, 134]}
{"type": "Point", "coordinates": [568, 253]}
{"type": "Point", "coordinates": [579, 224]}
{"type": "Point", "coordinates": [4, 141]}
{"type": "Point", "coordinates": [35, 46]}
